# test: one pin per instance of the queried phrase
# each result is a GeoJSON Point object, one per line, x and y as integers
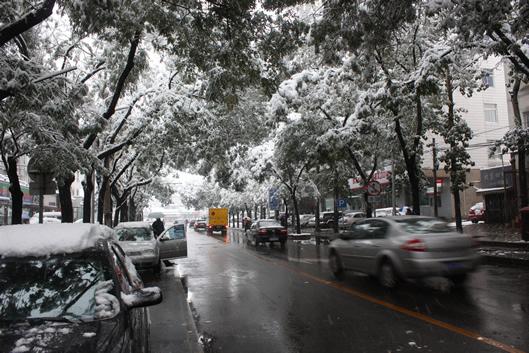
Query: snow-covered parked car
{"type": "Point", "coordinates": [70, 288]}
{"type": "Point", "coordinates": [147, 251]}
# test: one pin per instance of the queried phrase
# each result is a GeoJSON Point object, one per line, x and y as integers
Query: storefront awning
{"type": "Point", "coordinates": [496, 190]}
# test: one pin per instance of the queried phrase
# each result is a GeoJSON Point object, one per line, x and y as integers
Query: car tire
{"type": "Point", "coordinates": [387, 275]}
{"type": "Point", "coordinates": [336, 266]}
{"type": "Point", "coordinates": [459, 280]}
{"type": "Point", "coordinates": [158, 267]}
{"type": "Point", "coordinates": [474, 221]}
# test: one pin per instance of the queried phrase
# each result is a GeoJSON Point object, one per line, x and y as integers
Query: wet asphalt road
{"type": "Point", "coordinates": [263, 299]}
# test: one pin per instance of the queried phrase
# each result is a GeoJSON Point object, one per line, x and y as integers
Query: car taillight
{"type": "Point", "coordinates": [262, 231]}
{"type": "Point", "coordinates": [210, 226]}
{"type": "Point", "coordinates": [414, 245]}
{"type": "Point", "coordinates": [283, 232]}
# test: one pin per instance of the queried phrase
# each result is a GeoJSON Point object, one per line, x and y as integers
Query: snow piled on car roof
{"type": "Point", "coordinates": [49, 239]}
{"type": "Point", "coordinates": [133, 225]}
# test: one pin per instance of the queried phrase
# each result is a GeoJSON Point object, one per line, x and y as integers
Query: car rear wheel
{"type": "Point", "coordinates": [387, 275]}
{"type": "Point", "coordinates": [474, 221]}
{"type": "Point", "coordinates": [335, 263]}
{"type": "Point", "coordinates": [459, 279]}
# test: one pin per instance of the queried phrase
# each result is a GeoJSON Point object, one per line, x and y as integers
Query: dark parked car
{"type": "Point", "coordinates": [70, 288]}
{"type": "Point", "coordinates": [201, 224]}
{"type": "Point", "coordinates": [267, 231]}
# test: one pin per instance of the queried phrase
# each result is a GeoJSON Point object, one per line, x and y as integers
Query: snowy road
{"type": "Point", "coordinates": [273, 300]}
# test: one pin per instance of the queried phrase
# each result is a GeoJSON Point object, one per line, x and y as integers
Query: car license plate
{"type": "Point", "coordinates": [455, 265]}
{"type": "Point", "coordinates": [273, 239]}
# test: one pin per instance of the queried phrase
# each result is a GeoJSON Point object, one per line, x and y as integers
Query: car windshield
{"type": "Point", "coordinates": [424, 225]}
{"type": "Point", "coordinates": [54, 288]}
{"type": "Point", "coordinates": [134, 234]}
{"type": "Point", "coordinates": [269, 223]}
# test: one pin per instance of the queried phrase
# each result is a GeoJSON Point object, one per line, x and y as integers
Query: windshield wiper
{"type": "Point", "coordinates": [38, 320]}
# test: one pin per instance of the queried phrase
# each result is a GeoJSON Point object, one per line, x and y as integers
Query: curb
{"type": "Point", "coordinates": [504, 244]}
{"type": "Point", "coordinates": [196, 347]}
{"type": "Point", "coordinates": [505, 261]}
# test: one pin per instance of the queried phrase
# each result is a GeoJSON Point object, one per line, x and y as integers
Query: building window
{"type": "Point", "coordinates": [491, 113]}
{"type": "Point", "coordinates": [525, 119]}
{"type": "Point", "coordinates": [488, 78]}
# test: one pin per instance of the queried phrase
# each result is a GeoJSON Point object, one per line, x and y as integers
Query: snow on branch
{"type": "Point", "coordinates": [29, 20]}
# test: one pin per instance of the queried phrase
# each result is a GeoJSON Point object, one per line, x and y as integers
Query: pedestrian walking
{"type": "Point", "coordinates": [158, 227]}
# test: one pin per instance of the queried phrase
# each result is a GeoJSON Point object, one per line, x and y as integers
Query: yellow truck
{"type": "Point", "coordinates": [218, 220]}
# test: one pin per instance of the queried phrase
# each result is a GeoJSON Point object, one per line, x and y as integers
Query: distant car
{"type": "Point", "coordinates": [352, 217]}
{"type": "Point", "coordinates": [267, 231]}
{"type": "Point", "coordinates": [385, 212]}
{"type": "Point", "coordinates": [140, 244]}
{"type": "Point", "coordinates": [304, 219]}
{"type": "Point", "coordinates": [395, 248]}
{"type": "Point", "coordinates": [200, 224]}
{"type": "Point", "coordinates": [48, 217]}
{"type": "Point", "coordinates": [327, 219]}
{"type": "Point", "coordinates": [70, 288]}
{"type": "Point", "coordinates": [476, 213]}
{"type": "Point", "coordinates": [192, 223]}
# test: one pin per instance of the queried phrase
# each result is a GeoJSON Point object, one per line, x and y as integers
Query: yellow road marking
{"type": "Point", "coordinates": [461, 331]}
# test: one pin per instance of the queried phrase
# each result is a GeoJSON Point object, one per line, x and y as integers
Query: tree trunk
{"type": "Point", "coordinates": [369, 208]}
{"type": "Point", "coordinates": [17, 196]}
{"type": "Point", "coordinates": [522, 173]}
{"type": "Point", "coordinates": [411, 167]}
{"type": "Point", "coordinates": [336, 214]}
{"type": "Point", "coordinates": [101, 199]}
{"type": "Point", "coordinates": [296, 212]}
{"type": "Point", "coordinates": [132, 207]}
{"type": "Point", "coordinates": [454, 180]}
{"type": "Point", "coordinates": [124, 212]}
{"type": "Point", "coordinates": [65, 197]}
{"type": "Point", "coordinates": [238, 223]}
{"type": "Point", "coordinates": [317, 215]}
{"type": "Point", "coordinates": [88, 189]}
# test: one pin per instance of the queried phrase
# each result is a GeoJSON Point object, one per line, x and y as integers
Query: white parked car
{"type": "Point", "coordinates": [146, 251]}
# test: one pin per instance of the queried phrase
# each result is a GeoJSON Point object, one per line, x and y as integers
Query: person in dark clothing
{"type": "Point", "coordinates": [157, 227]}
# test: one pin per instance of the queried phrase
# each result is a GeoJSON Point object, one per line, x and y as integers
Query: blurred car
{"type": "Point", "coordinates": [385, 212]}
{"type": "Point", "coordinates": [200, 224]}
{"type": "Point", "coordinates": [48, 217]}
{"type": "Point", "coordinates": [70, 288]}
{"type": "Point", "coordinates": [138, 241]}
{"type": "Point", "coordinates": [476, 213]}
{"type": "Point", "coordinates": [395, 248]}
{"type": "Point", "coordinates": [192, 223]}
{"type": "Point", "coordinates": [267, 231]}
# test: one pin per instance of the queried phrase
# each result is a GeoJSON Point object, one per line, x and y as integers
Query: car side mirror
{"type": "Point", "coordinates": [142, 297]}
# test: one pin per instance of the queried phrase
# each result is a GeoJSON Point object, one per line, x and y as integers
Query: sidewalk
{"type": "Point", "coordinates": [173, 329]}
{"type": "Point", "coordinates": [500, 244]}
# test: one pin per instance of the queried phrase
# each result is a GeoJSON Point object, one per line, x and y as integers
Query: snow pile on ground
{"type": "Point", "coordinates": [107, 305]}
{"type": "Point", "coordinates": [49, 239]}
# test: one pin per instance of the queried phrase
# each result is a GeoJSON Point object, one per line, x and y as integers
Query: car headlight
{"type": "Point", "coordinates": [148, 252]}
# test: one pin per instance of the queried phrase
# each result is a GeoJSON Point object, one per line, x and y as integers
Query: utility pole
{"type": "Point", "coordinates": [434, 153]}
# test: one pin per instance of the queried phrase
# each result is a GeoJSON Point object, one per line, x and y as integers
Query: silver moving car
{"type": "Point", "coordinates": [394, 248]}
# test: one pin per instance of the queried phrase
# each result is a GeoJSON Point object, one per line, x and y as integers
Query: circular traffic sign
{"type": "Point", "coordinates": [374, 188]}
